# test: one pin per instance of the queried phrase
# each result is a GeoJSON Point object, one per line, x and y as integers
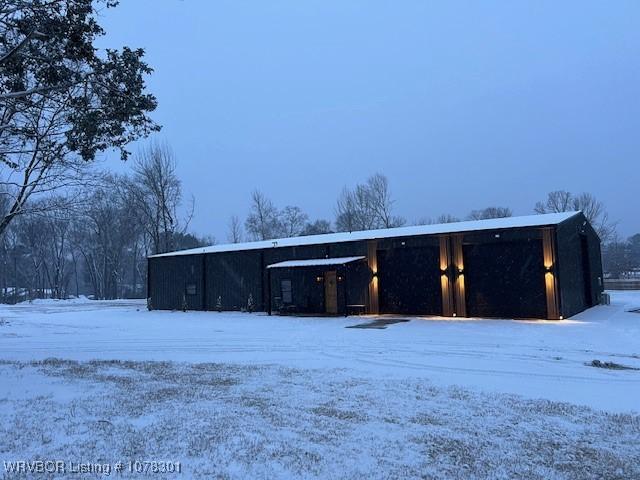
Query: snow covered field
{"type": "Point", "coordinates": [235, 395]}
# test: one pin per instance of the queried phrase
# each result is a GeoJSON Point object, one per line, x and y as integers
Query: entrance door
{"type": "Point", "coordinates": [330, 292]}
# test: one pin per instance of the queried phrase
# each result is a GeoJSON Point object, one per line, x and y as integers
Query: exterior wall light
{"type": "Point", "coordinates": [319, 279]}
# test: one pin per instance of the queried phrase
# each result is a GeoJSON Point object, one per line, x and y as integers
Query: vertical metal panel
{"type": "Point", "coordinates": [358, 282]}
{"type": "Point", "coordinates": [570, 272]}
{"type": "Point", "coordinates": [458, 286]}
{"type": "Point", "coordinates": [203, 282]}
{"type": "Point", "coordinates": [346, 249]}
{"type": "Point", "coordinates": [372, 260]}
{"type": "Point", "coordinates": [409, 280]}
{"type": "Point", "coordinates": [169, 279]}
{"type": "Point", "coordinates": [505, 279]}
{"type": "Point", "coordinates": [595, 258]}
{"type": "Point", "coordinates": [445, 272]}
{"type": "Point", "coordinates": [232, 277]}
{"type": "Point", "coordinates": [550, 281]}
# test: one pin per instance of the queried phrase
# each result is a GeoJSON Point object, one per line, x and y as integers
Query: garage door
{"type": "Point", "coordinates": [409, 281]}
{"type": "Point", "coordinates": [505, 280]}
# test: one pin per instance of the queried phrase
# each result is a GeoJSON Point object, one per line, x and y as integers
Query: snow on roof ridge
{"type": "Point", "coordinates": [457, 227]}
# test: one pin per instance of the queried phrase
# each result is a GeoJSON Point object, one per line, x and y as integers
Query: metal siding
{"type": "Point", "coordinates": [505, 279]}
{"type": "Point", "coordinates": [233, 276]}
{"type": "Point", "coordinates": [410, 280]}
{"type": "Point", "coordinates": [168, 279]}
{"type": "Point", "coordinates": [595, 263]}
{"type": "Point", "coordinates": [347, 249]}
{"type": "Point", "coordinates": [571, 274]}
{"type": "Point", "coordinates": [358, 277]}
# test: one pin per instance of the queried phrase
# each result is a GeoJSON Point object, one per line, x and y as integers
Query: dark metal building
{"type": "Point", "coordinates": [540, 266]}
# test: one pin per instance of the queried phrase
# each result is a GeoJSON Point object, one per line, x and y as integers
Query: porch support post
{"type": "Point", "coordinates": [268, 291]}
{"type": "Point", "coordinates": [372, 260]}
{"type": "Point", "coordinates": [345, 290]}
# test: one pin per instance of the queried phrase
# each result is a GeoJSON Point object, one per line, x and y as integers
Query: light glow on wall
{"type": "Point", "coordinates": [459, 287]}
{"type": "Point", "coordinates": [445, 282]}
{"type": "Point", "coordinates": [548, 260]}
{"type": "Point", "coordinates": [372, 261]}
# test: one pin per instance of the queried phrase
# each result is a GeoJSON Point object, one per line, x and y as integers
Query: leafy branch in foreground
{"type": "Point", "coordinates": [62, 100]}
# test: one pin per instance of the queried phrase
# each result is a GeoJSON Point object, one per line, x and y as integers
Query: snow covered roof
{"type": "Point", "coordinates": [458, 227]}
{"type": "Point", "coordinates": [313, 262]}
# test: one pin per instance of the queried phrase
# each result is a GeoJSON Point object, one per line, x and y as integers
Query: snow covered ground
{"type": "Point", "coordinates": [235, 395]}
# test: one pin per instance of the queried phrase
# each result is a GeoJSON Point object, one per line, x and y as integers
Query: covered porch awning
{"type": "Point", "coordinates": [316, 262]}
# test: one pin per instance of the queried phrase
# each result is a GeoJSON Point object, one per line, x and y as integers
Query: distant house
{"type": "Point", "coordinates": [539, 266]}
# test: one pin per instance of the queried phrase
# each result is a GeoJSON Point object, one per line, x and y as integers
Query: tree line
{"type": "Point", "coordinates": [366, 206]}
{"type": "Point", "coordinates": [95, 239]}
{"type": "Point", "coordinates": [370, 205]}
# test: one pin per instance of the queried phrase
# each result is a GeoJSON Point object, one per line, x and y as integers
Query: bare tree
{"type": "Point", "coordinates": [41, 250]}
{"type": "Point", "coordinates": [100, 244]}
{"type": "Point", "coordinates": [235, 230]}
{"type": "Point", "coordinates": [490, 212]}
{"type": "Point", "coordinates": [447, 218]}
{"type": "Point", "coordinates": [57, 226]}
{"type": "Point", "coordinates": [156, 195]}
{"type": "Point", "coordinates": [107, 235]}
{"type": "Point", "coordinates": [263, 222]}
{"type": "Point", "coordinates": [593, 209]}
{"type": "Point", "coordinates": [381, 202]}
{"type": "Point", "coordinates": [355, 210]}
{"type": "Point", "coordinates": [293, 221]}
{"type": "Point", "coordinates": [616, 258]}
{"type": "Point", "coordinates": [444, 218]}
{"type": "Point", "coordinates": [346, 215]}
{"type": "Point", "coordinates": [557, 201]}
{"type": "Point", "coordinates": [367, 206]}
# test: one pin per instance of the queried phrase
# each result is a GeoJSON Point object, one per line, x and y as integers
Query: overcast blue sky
{"type": "Point", "coordinates": [461, 104]}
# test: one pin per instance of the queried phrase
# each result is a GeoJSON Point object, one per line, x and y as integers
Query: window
{"type": "Point", "coordinates": [285, 287]}
{"type": "Point", "coordinates": [191, 289]}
